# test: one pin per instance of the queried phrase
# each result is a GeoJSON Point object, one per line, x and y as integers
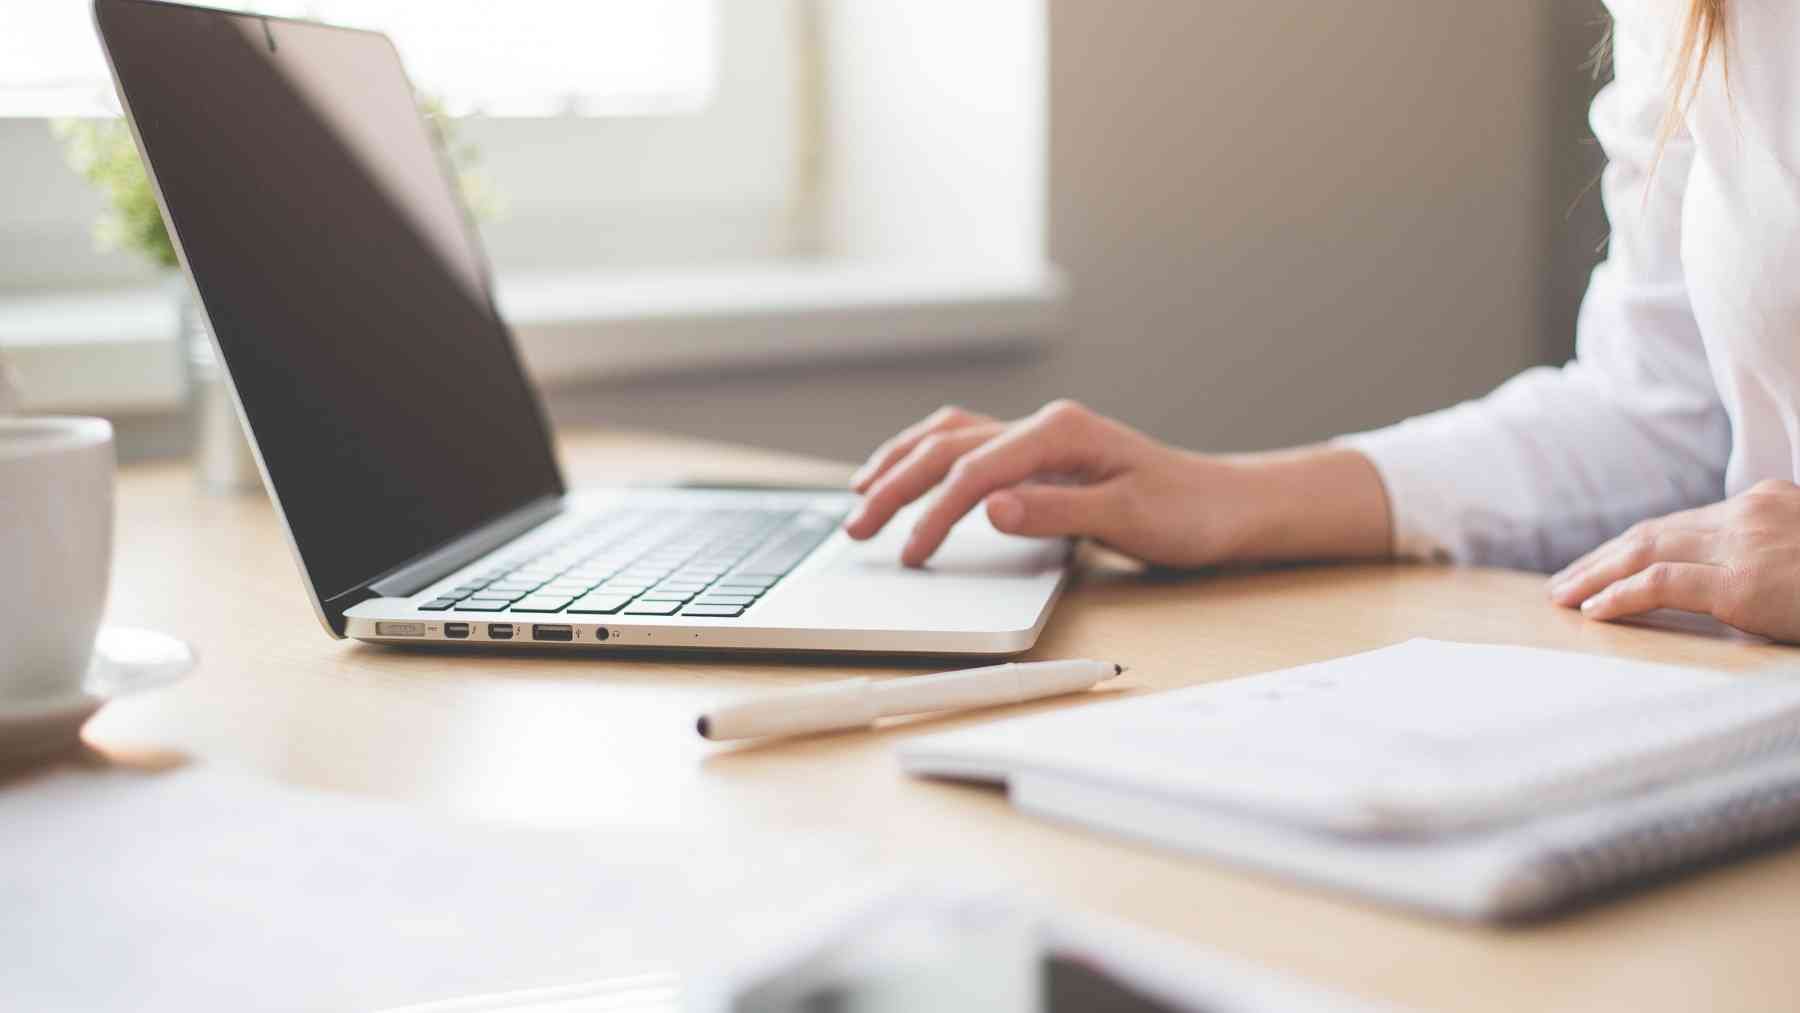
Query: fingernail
{"type": "Point", "coordinates": [1005, 510]}
{"type": "Point", "coordinates": [1591, 604]}
{"type": "Point", "coordinates": [861, 476]}
{"type": "Point", "coordinates": [856, 517]}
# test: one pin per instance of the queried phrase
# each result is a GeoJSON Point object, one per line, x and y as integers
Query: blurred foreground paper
{"type": "Point", "coordinates": [201, 889]}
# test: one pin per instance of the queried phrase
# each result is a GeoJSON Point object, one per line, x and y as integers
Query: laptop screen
{"type": "Point", "coordinates": [341, 277]}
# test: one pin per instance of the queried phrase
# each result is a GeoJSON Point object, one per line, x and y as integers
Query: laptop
{"type": "Point", "coordinates": [407, 453]}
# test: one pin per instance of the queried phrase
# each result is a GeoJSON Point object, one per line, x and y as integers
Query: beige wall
{"type": "Point", "coordinates": [1281, 220]}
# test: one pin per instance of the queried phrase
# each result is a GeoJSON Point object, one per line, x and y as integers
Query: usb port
{"type": "Point", "coordinates": [500, 631]}
{"type": "Point", "coordinates": [456, 631]}
{"type": "Point", "coordinates": [541, 631]}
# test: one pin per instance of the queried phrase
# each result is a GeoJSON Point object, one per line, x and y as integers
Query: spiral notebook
{"type": "Point", "coordinates": [1473, 780]}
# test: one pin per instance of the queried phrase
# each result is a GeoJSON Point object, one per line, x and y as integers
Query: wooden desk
{"type": "Point", "coordinates": [586, 740]}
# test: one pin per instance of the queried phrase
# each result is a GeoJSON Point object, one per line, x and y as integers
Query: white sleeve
{"type": "Point", "coordinates": [1556, 461]}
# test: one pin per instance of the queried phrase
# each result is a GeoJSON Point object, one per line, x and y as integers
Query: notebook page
{"type": "Point", "coordinates": [1417, 737]}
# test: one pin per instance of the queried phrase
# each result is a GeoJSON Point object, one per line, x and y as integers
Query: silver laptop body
{"type": "Point", "coordinates": [405, 450]}
{"type": "Point", "coordinates": [985, 593]}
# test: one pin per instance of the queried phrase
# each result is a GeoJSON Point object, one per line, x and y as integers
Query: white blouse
{"type": "Point", "coordinates": [1685, 387]}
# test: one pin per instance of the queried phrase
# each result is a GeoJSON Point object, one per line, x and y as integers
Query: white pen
{"type": "Point", "coordinates": [853, 703]}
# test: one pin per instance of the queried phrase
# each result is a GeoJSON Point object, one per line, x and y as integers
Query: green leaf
{"type": "Point", "coordinates": [103, 153]}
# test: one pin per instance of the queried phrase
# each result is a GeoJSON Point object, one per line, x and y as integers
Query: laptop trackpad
{"type": "Point", "coordinates": [980, 581]}
{"type": "Point", "coordinates": [974, 549]}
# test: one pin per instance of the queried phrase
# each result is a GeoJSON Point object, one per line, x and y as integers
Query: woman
{"type": "Point", "coordinates": [1661, 460]}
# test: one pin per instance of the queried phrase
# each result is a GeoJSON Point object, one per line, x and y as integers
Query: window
{"type": "Point", "coordinates": [521, 58]}
{"type": "Point", "coordinates": [683, 184]}
{"type": "Point", "coordinates": [601, 126]}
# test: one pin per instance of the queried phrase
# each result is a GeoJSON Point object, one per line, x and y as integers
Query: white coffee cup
{"type": "Point", "coordinates": [56, 531]}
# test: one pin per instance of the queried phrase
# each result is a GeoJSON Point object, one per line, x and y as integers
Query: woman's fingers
{"type": "Point", "coordinates": [1706, 518]}
{"type": "Point", "coordinates": [1690, 587]}
{"type": "Point", "coordinates": [1051, 511]}
{"type": "Point", "coordinates": [1630, 553]}
{"type": "Point", "coordinates": [1059, 439]}
{"type": "Point", "coordinates": [930, 459]}
{"type": "Point", "coordinates": [970, 456]}
{"type": "Point", "coordinates": [887, 455]}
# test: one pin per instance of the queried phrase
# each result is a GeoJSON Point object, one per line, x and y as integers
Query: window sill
{"type": "Point", "coordinates": [111, 351]}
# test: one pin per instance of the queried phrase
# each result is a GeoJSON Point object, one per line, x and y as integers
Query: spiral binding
{"type": "Point", "coordinates": [1701, 822]}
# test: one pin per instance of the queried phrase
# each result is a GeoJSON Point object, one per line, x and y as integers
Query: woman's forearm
{"type": "Point", "coordinates": [1318, 502]}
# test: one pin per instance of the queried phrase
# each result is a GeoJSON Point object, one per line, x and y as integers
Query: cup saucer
{"type": "Point", "coordinates": [125, 661]}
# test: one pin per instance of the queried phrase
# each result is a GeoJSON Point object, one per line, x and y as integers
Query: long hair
{"type": "Point", "coordinates": [1700, 37]}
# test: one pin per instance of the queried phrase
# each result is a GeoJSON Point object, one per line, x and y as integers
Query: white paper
{"type": "Point", "coordinates": [198, 890]}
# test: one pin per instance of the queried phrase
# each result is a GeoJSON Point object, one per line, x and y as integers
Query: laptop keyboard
{"type": "Point", "coordinates": [712, 563]}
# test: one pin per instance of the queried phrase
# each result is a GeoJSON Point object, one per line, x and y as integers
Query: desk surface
{"type": "Point", "coordinates": [580, 740]}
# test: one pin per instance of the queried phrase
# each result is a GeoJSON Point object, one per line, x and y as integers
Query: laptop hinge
{"type": "Point", "coordinates": [412, 577]}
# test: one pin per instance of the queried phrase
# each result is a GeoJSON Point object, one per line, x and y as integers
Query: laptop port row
{"type": "Point", "coordinates": [545, 632]}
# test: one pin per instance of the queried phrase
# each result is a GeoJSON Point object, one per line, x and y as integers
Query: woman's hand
{"type": "Point", "coordinates": [1738, 561]}
{"type": "Point", "coordinates": [1065, 470]}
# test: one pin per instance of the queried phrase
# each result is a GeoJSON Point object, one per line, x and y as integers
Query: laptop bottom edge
{"type": "Point", "coordinates": [597, 635]}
